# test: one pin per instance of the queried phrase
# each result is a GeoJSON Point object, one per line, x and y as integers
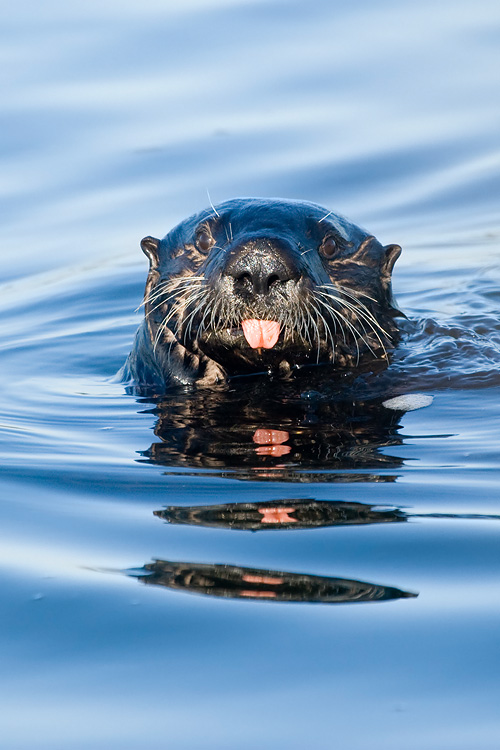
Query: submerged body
{"type": "Point", "coordinates": [260, 285]}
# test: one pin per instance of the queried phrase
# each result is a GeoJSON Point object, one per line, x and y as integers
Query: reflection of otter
{"type": "Point", "coordinates": [234, 582]}
{"type": "Point", "coordinates": [280, 514]}
{"type": "Point", "coordinates": [273, 430]}
{"type": "Point", "coordinates": [260, 285]}
{"type": "Point", "coordinates": [296, 514]}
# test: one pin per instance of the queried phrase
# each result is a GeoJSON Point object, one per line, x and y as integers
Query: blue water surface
{"type": "Point", "coordinates": [117, 118]}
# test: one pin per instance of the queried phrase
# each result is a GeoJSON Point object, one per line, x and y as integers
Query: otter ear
{"type": "Point", "coordinates": [391, 254]}
{"type": "Point", "coordinates": [150, 247]}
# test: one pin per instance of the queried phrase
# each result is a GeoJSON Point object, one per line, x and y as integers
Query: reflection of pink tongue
{"type": "Point", "coordinates": [261, 334]}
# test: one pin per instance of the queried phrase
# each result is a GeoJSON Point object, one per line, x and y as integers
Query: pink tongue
{"type": "Point", "coordinates": [261, 334]}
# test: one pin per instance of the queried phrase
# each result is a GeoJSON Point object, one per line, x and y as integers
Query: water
{"type": "Point", "coordinates": [116, 119]}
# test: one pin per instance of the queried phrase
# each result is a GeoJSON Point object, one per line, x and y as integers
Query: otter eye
{"type": "Point", "coordinates": [328, 247]}
{"type": "Point", "coordinates": [204, 241]}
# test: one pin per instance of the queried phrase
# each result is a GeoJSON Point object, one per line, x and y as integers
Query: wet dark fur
{"type": "Point", "coordinates": [325, 280]}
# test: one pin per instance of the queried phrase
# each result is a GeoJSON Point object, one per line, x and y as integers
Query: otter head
{"type": "Point", "coordinates": [267, 285]}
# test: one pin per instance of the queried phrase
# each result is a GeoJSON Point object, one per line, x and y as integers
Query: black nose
{"type": "Point", "coordinates": [260, 268]}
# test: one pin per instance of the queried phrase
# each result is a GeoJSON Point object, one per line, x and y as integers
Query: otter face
{"type": "Point", "coordinates": [266, 285]}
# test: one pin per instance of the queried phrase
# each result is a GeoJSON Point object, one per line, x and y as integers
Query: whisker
{"type": "Point", "coordinates": [351, 292]}
{"type": "Point", "coordinates": [188, 322]}
{"type": "Point", "coordinates": [212, 205]}
{"type": "Point", "coordinates": [365, 315]}
{"type": "Point", "coordinates": [318, 338]}
{"type": "Point", "coordinates": [327, 330]}
{"type": "Point", "coordinates": [177, 294]}
{"type": "Point", "coordinates": [169, 285]}
{"type": "Point", "coordinates": [185, 295]}
{"type": "Point", "coordinates": [350, 326]}
{"type": "Point", "coordinates": [361, 314]}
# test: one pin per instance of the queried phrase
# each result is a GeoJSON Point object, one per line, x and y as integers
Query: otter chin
{"type": "Point", "coordinates": [258, 285]}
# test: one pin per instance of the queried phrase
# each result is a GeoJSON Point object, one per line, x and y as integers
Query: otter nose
{"type": "Point", "coordinates": [260, 270]}
{"type": "Point", "coordinates": [259, 279]}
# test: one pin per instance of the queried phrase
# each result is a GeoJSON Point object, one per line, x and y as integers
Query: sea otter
{"type": "Point", "coordinates": [258, 285]}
